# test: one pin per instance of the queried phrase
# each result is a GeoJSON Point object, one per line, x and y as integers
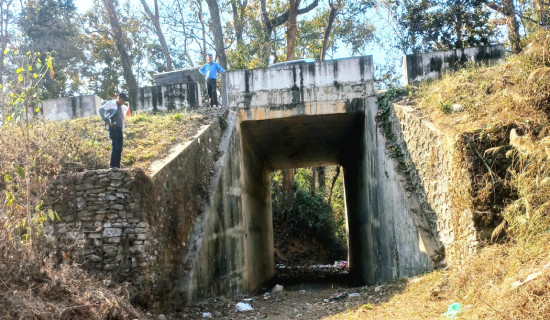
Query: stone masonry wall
{"type": "Point", "coordinates": [103, 220]}
{"type": "Point", "coordinates": [442, 183]}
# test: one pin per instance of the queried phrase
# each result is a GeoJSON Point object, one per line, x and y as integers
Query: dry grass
{"type": "Point", "coordinates": [38, 282]}
{"type": "Point", "coordinates": [492, 285]}
{"type": "Point", "coordinates": [83, 143]}
{"type": "Point", "coordinates": [513, 92]}
{"type": "Point", "coordinates": [489, 286]}
{"type": "Point", "coordinates": [36, 286]}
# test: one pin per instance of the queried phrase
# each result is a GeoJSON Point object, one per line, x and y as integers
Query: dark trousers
{"type": "Point", "coordinates": [115, 134]}
{"type": "Point", "coordinates": [211, 86]}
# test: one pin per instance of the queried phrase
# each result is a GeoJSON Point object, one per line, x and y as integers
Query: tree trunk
{"type": "Point", "coordinates": [513, 26]}
{"type": "Point", "coordinates": [218, 33]}
{"type": "Point", "coordinates": [507, 9]}
{"type": "Point", "coordinates": [124, 58]}
{"type": "Point", "coordinates": [238, 9]}
{"type": "Point", "coordinates": [268, 29]}
{"type": "Point", "coordinates": [321, 175]}
{"type": "Point", "coordinates": [312, 181]}
{"type": "Point", "coordinates": [270, 24]}
{"type": "Point", "coordinates": [288, 182]}
{"type": "Point", "coordinates": [459, 44]}
{"type": "Point", "coordinates": [334, 8]}
{"type": "Point", "coordinates": [292, 28]}
{"type": "Point", "coordinates": [156, 23]}
{"type": "Point", "coordinates": [333, 184]}
{"type": "Point", "coordinates": [5, 16]}
{"type": "Point", "coordinates": [542, 12]}
{"type": "Point", "coordinates": [203, 30]}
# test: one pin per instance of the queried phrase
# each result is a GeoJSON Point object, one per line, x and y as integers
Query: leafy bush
{"type": "Point", "coordinates": [309, 216]}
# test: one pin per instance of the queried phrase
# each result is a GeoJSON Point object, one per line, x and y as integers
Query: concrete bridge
{"type": "Point", "coordinates": [201, 225]}
{"type": "Point", "coordinates": [304, 115]}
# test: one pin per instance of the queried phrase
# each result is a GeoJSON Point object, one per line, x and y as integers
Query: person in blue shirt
{"type": "Point", "coordinates": [210, 71]}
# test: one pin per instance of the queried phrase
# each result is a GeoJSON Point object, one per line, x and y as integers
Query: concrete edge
{"type": "Point", "coordinates": [197, 234]}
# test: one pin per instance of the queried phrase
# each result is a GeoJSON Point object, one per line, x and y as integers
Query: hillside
{"type": "Point", "coordinates": [500, 113]}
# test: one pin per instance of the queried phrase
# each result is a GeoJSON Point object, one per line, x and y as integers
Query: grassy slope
{"type": "Point", "coordinates": [84, 144]}
{"type": "Point", "coordinates": [492, 284]}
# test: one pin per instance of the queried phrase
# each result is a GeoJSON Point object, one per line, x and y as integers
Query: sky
{"type": "Point", "coordinates": [378, 53]}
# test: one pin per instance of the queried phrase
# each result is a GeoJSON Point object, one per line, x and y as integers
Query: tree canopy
{"type": "Point", "coordinates": [118, 45]}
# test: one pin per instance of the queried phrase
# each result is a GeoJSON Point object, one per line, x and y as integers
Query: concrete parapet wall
{"type": "Point", "coordinates": [435, 170]}
{"type": "Point", "coordinates": [179, 76]}
{"type": "Point", "coordinates": [180, 96]}
{"type": "Point", "coordinates": [70, 108]}
{"type": "Point", "coordinates": [332, 80]}
{"type": "Point", "coordinates": [104, 220]}
{"type": "Point", "coordinates": [431, 65]}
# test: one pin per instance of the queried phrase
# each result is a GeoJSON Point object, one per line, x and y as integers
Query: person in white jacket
{"type": "Point", "coordinates": [113, 115]}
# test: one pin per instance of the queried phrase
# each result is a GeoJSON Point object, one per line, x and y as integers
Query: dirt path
{"type": "Point", "coordinates": [297, 304]}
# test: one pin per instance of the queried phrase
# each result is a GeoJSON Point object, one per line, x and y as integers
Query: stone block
{"type": "Point", "coordinates": [94, 258]}
{"type": "Point", "coordinates": [113, 240]}
{"type": "Point", "coordinates": [115, 175]}
{"type": "Point", "coordinates": [85, 186]}
{"type": "Point", "coordinates": [116, 183]}
{"type": "Point", "coordinates": [110, 248]}
{"type": "Point", "coordinates": [112, 232]}
{"type": "Point", "coordinates": [94, 235]}
{"type": "Point", "coordinates": [142, 224]}
{"type": "Point", "coordinates": [137, 248]}
{"type": "Point", "coordinates": [141, 236]}
{"type": "Point", "coordinates": [118, 207]}
{"type": "Point", "coordinates": [112, 216]}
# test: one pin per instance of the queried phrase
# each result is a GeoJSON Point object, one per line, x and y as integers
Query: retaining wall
{"type": "Point", "coordinates": [443, 182]}
{"type": "Point", "coordinates": [104, 220]}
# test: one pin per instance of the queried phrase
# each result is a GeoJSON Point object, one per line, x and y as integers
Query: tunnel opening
{"type": "Point", "coordinates": [309, 228]}
{"type": "Point", "coordinates": [297, 144]}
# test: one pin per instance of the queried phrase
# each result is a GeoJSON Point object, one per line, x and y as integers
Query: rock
{"type": "Point", "coordinates": [277, 289]}
{"type": "Point", "coordinates": [94, 258]}
{"type": "Point", "coordinates": [243, 307]}
{"type": "Point", "coordinates": [112, 232]}
{"type": "Point", "coordinates": [457, 107]}
{"type": "Point", "coordinates": [162, 317]}
{"type": "Point", "coordinates": [118, 207]}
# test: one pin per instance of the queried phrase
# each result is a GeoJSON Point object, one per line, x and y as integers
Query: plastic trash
{"type": "Point", "coordinates": [206, 315]}
{"type": "Point", "coordinates": [243, 307]}
{"type": "Point", "coordinates": [352, 295]}
{"type": "Point", "coordinates": [453, 310]}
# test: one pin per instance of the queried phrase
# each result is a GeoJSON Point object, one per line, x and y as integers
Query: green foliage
{"type": "Point", "coordinates": [50, 26]}
{"type": "Point", "coordinates": [383, 117]}
{"type": "Point", "coordinates": [21, 184]}
{"type": "Point", "coordinates": [309, 216]}
{"type": "Point", "coordinates": [447, 24]}
{"type": "Point", "coordinates": [223, 122]}
{"type": "Point", "coordinates": [22, 91]}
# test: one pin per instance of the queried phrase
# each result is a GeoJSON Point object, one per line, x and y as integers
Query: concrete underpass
{"type": "Point", "coordinates": [304, 115]}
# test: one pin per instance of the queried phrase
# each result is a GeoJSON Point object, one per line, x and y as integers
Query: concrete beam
{"type": "Point", "coordinates": [332, 80]}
